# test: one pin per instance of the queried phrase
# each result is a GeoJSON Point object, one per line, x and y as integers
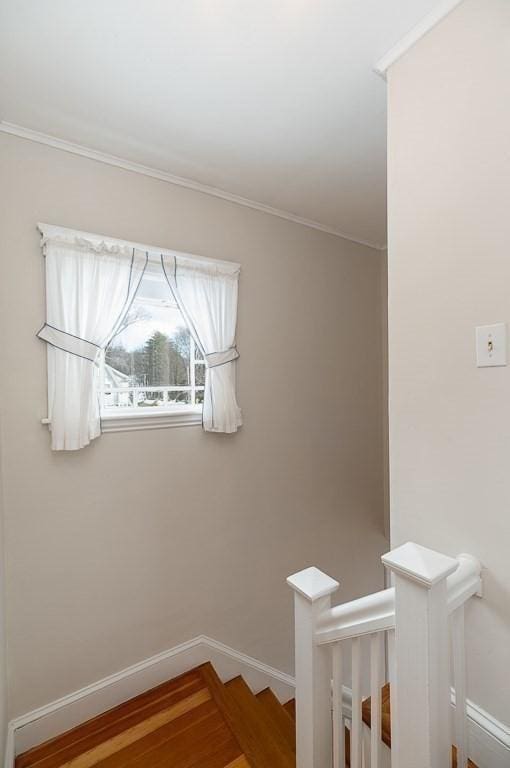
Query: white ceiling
{"type": "Point", "coordinates": [272, 100]}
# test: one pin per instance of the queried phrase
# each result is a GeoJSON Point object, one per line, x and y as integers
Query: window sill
{"type": "Point", "coordinates": [131, 420]}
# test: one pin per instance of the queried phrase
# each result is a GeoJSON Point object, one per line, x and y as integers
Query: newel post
{"type": "Point", "coordinates": [420, 696]}
{"type": "Point", "coordinates": [314, 737]}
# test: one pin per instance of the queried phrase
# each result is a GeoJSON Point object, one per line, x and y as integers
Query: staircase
{"type": "Point", "coordinates": [193, 721]}
{"type": "Point", "coordinates": [412, 634]}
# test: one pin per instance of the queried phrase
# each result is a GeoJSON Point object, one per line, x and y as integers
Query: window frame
{"type": "Point", "coordinates": [188, 416]}
{"type": "Point", "coordinates": [126, 419]}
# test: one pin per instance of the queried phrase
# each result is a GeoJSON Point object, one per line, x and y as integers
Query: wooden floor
{"type": "Point", "coordinates": [193, 721]}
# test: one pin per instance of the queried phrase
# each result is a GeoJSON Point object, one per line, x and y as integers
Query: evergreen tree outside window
{"type": "Point", "coordinates": [152, 362]}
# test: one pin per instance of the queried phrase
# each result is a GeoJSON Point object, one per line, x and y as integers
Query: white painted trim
{"type": "Point", "coordinates": [424, 26]}
{"type": "Point", "coordinates": [128, 165]}
{"type": "Point", "coordinates": [134, 422]}
{"type": "Point", "coordinates": [58, 716]}
{"type": "Point", "coordinates": [488, 738]}
{"type": "Point", "coordinates": [248, 661]}
{"type": "Point", "coordinates": [88, 690]}
{"type": "Point", "coordinates": [494, 728]}
{"type": "Point", "coordinates": [9, 755]}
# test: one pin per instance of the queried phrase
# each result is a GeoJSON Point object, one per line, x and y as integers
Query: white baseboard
{"type": "Point", "coordinates": [488, 738]}
{"type": "Point", "coordinates": [52, 719]}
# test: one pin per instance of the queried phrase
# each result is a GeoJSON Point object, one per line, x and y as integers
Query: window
{"type": "Point", "coordinates": [152, 368]}
{"type": "Point", "coordinates": [120, 355]}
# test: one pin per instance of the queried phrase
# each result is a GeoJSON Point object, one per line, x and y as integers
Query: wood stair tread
{"type": "Point", "coordinates": [204, 739]}
{"type": "Point", "coordinates": [257, 735]}
{"type": "Point", "coordinates": [385, 714]}
{"type": "Point", "coordinates": [386, 721]}
{"type": "Point", "coordinates": [108, 724]}
{"type": "Point", "coordinates": [192, 721]}
{"type": "Point", "coordinates": [290, 707]}
{"type": "Point", "coordinates": [177, 723]}
{"type": "Point", "coordinates": [281, 718]}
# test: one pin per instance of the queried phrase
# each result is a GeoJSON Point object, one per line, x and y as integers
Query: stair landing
{"type": "Point", "coordinates": [193, 721]}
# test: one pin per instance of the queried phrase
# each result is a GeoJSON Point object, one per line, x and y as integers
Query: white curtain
{"type": "Point", "coordinates": [89, 289]}
{"type": "Point", "coordinates": [206, 293]}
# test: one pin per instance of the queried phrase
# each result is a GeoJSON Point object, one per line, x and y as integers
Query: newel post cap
{"type": "Point", "coordinates": [419, 564]}
{"type": "Point", "coordinates": [312, 583]}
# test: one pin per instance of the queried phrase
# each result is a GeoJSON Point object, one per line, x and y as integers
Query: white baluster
{"type": "Point", "coordinates": [338, 718]}
{"type": "Point", "coordinates": [393, 688]}
{"type": "Point", "coordinates": [356, 741]}
{"type": "Point", "coordinates": [314, 733]}
{"type": "Point", "coordinates": [366, 747]}
{"type": "Point", "coordinates": [422, 694]}
{"type": "Point", "coordinates": [375, 694]}
{"type": "Point", "coordinates": [459, 681]}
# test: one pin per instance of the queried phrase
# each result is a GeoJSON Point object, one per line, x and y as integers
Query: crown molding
{"type": "Point", "coordinates": [128, 165]}
{"type": "Point", "coordinates": [423, 27]}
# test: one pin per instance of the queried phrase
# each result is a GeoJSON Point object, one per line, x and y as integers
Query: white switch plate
{"type": "Point", "coordinates": [491, 345]}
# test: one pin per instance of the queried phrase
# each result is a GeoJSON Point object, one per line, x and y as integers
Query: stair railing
{"type": "Point", "coordinates": [417, 620]}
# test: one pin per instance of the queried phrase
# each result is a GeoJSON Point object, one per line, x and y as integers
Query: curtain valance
{"type": "Point", "coordinates": [55, 235]}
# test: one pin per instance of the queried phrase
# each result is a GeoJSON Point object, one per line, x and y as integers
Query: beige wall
{"type": "Point", "coordinates": [449, 271]}
{"type": "Point", "coordinates": [146, 539]}
{"type": "Point", "coordinates": [3, 666]}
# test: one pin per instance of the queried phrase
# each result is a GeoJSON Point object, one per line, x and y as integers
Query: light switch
{"type": "Point", "coordinates": [491, 345]}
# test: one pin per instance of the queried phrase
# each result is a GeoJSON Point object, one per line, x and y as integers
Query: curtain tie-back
{"type": "Point", "coordinates": [215, 359]}
{"type": "Point", "coordinates": [69, 343]}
